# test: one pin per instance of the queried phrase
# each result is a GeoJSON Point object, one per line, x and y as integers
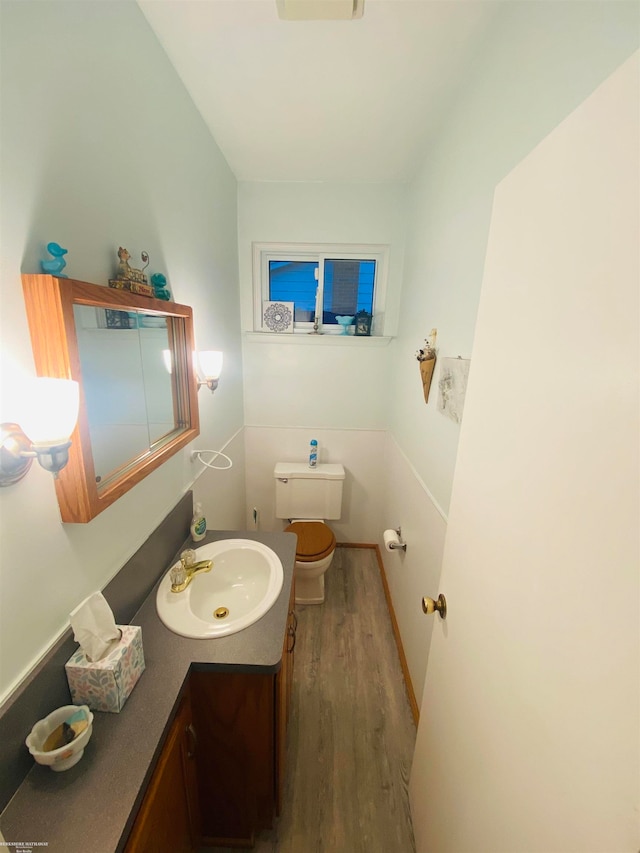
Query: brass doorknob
{"type": "Point", "coordinates": [430, 606]}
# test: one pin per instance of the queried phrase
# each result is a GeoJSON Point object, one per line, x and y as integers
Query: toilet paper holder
{"type": "Point", "coordinates": [399, 545]}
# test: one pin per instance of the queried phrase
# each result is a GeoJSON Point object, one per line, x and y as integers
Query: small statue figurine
{"type": "Point", "coordinates": [127, 273]}
{"type": "Point", "coordinates": [55, 266]}
{"type": "Point", "coordinates": [160, 289]}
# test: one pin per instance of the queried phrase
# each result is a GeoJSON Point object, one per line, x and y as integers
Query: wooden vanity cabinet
{"type": "Point", "coordinates": [241, 719]}
{"type": "Point", "coordinates": [234, 717]}
{"type": "Point", "coordinates": [168, 819]}
{"type": "Point", "coordinates": [220, 777]}
{"type": "Point", "coordinates": [284, 684]}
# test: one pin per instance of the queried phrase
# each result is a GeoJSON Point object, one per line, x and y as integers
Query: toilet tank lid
{"type": "Point", "coordinates": [301, 471]}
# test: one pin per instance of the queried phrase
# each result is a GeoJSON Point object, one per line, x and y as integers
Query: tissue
{"type": "Point", "coordinates": [94, 627]}
{"type": "Point", "coordinates": [391, 540]}
{"type": "Point", "coordinates": [105, 685]}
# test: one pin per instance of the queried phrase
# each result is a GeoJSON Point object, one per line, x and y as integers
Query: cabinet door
{"type": "Point", "coordinates": [234, 717]}
{"type": "Point", "coordinates": [284, 683]}
{"type": "Point", "coordinates": [168, 818]}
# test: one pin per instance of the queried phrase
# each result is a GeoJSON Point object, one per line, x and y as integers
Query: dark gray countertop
{"type": "Point", "coordinates": [91, 807]}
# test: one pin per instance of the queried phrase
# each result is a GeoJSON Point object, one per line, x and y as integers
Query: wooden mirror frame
{"type": "Point", "coordinates": [49, 302]}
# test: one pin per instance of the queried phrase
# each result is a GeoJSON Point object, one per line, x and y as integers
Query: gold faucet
{"type": "Point", "coordinates": [185, 571]}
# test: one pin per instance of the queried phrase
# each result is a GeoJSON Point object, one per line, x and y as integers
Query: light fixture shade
{"type": "Point", "coordinates": [210, 362]}
{"type": "Point", "coordinates": [50, 411]}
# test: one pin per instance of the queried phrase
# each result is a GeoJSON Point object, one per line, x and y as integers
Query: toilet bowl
{"type": "Point", "coordinates": [314, 553]}
{"type": "Point", "coordinates": [305, 498]}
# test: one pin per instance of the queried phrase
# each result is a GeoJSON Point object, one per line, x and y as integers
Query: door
{"type": "Point", "coordinates": [168, 819]}
{"type": "Point", "coordinates": [528, 736]}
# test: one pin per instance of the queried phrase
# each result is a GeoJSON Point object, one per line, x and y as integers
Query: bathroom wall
{"type": "Point", "coordinates": [102, 147]}
{"type": "Point", "coordinates": [361, 451]}
{"type": "Point", "coordinates": [414, 573]}
{"type": "Point", "coordinates": [318, 382]}
{"type": "Point", "coordinates": [221, 489]}
{"type": "Point", "coordinates": [302, 387]}
{"type": "Point", "coordinates": [532, 713]}
{"type": "Point", "coordinates": [321, 212]}
{"type": "Point", "coordinates": [538, 62]}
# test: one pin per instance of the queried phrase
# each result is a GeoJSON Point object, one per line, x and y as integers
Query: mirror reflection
{"type": "Point", "coordinates": [127, 386]}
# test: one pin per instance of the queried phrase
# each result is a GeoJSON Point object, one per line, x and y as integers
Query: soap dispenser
{"type": "Point", "coordinates": [198, 524]}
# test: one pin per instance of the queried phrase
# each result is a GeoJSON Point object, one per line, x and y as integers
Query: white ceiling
{"type": "Point", "coordinates": [321, 100]}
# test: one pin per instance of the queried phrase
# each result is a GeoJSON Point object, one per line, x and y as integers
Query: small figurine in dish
{"type": "Point", "coordinates": [60, 738]}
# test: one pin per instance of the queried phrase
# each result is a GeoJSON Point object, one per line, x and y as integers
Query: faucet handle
{"type": "Point", "coordinates": [188, 557]}
{"type": "Point", "coordinates": [178, 574]}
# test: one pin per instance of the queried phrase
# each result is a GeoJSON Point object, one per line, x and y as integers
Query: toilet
{"type": "Point", "coordinates": [307, 497]}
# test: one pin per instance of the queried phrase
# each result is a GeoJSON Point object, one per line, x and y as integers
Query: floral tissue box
{"type": "Point", "coordinates": [104, 685]}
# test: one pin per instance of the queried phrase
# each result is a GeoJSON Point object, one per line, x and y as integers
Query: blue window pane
{"type": "Point", "coordinates": [295, 281]}
{"type": "Point", "coordinates": [348, 288]}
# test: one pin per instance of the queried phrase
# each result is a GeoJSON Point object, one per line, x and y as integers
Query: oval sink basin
{"type": "Point", "coordinates": [243, 584]}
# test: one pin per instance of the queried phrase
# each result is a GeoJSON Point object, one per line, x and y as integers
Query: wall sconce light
{"type": "Point", "coordinates": [209, 366]}
{"type": "Point", "coordinates": [50, 412]}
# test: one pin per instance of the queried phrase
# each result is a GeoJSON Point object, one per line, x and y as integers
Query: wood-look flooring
{"type": "Point", "coordinates": [351, 733]}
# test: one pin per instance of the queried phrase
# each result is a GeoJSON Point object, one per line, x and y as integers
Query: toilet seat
{"type": "Point", "coordinates": [315, 540]}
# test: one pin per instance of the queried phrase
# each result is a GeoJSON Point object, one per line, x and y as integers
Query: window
{"type": "Point", "coordinates": [323, 282]}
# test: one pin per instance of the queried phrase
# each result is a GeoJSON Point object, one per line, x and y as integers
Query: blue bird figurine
{"type": "Point", "coordinates": [58, 263]}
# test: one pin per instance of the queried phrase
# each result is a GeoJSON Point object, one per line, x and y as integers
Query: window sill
{"type": "Point", "coordinates": [305, 339]}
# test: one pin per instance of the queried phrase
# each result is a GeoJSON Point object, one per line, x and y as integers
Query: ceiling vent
{"type": "Point", "coordinates": [320, 10]}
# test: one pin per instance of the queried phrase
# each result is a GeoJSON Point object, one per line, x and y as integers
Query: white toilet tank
{"type": "Point", "coordinates": [303, 492]}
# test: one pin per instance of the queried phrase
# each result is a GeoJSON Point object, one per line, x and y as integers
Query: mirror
{"type": "Point", "coordinates": [127, 385]}
{"type": "Point", "coordinates": [132, 356]}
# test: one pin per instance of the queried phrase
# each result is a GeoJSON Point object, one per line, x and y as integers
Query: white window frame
{"type": "Point", "coordinates": [319, 252]}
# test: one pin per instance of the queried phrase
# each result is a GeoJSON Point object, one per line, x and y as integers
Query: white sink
{"type": "Point", "coordinates": [243, 584]}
